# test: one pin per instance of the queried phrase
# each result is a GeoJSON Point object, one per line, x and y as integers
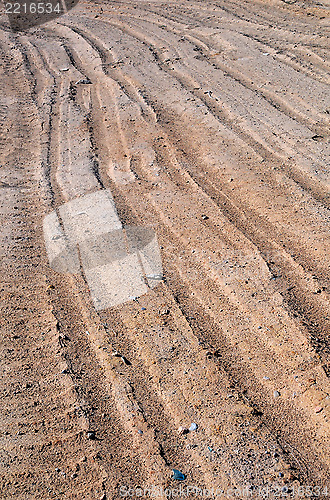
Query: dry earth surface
{"type": "Point", "coordinates": [209, 121]}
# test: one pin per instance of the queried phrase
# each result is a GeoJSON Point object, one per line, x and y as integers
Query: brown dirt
{"type": "Point", "coordinates": [208, 121]}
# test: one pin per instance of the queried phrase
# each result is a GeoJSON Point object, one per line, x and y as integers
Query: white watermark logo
{"type": "Point", "coordinates": [184, 491]}
{"type": "Point", "coordinates": [119, 263]}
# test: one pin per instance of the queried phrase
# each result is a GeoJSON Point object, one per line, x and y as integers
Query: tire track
{"type": "Point", "coordinates": [40, 430]}
{"type": "Point", "coordinates": [98, 107]}
{"type": "Point", "coordinates": [320, 192]}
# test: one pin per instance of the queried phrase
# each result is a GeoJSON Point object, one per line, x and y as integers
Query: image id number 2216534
{"type": "Point", "coordinates": [32, 8]}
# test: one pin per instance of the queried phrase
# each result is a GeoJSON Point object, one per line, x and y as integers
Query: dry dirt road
{"type": "Point", "coordinates": [209, 121]}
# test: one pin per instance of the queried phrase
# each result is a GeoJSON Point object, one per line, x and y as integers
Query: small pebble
{"type": "Point", "coordinates": [182, 430]}
{"type": "Point", "coordinates": [280, 474]}
{"type": "Point", "coordinates": [204, 217]}
{"type": "Point", "coordinates": [178, 475]}
{"type": "Point", "coordinates": [143, 308]}
{"type": "Point", "coordinates": [140, 432]}
{"type": "Point", "coordinates": [266, 378]}
{"type": "Point", "coordinates": [193, 427]}
{"type": "Point", "coordinates": [91, 435]}
{"type": "Point", "coordinates": [318, 409]}
{"type": "Point", "coordinates": [84, 81]}
{"type": "Point", "coordinates": [276, 394]}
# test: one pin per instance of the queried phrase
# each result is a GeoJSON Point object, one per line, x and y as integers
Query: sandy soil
{"type": "Point", "coordinates": [208, 121]}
